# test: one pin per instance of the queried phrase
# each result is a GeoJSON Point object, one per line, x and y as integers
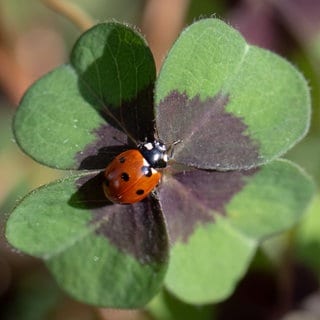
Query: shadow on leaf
{"type": "Point", "coordinates": [102, 158]}
{"type": "Point", "coordinates": [112, 84]}
{"type": "Point", "coordinates": [90, 193]}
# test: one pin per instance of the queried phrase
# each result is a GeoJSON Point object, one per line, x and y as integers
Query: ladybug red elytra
{"type": "Point", "coordinates": [133, 174]}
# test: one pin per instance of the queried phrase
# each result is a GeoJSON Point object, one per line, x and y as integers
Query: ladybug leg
{"type": "Point", "coordinates": [171, 147]}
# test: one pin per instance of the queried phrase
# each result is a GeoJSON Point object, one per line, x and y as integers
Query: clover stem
{"type": "Point", "coordinates": [72, 12]}
{"type": "Point", "coordinates": [286, 276]}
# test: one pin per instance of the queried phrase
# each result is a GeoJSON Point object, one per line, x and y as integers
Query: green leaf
{"type": "Point", "coordinates": [167, 307]}
{"type": "Point", "coordinates": [103, 254]}
{"type": "Point", "coordinates": [116, 75]}
{"type": "Point", "coordinates": [272, 201]}
{"type": "Point", "coordinates": [233, 105]}
{"type": "Point", "coordinates": [53, 122]}
{"type": "Point", "coordinates": [110, 80]}
{"type": "Point", "coordinates": [223, 233]}
{"type": "Point", "coordinates": [307, 241]}
{"type": "Point", "coordinates": [221, 257]}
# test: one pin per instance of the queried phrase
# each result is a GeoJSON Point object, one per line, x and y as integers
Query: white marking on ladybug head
{"type": "Point", "coordinates": [146, 163]}
{"type": "Point", "coordinates": [148, 146]}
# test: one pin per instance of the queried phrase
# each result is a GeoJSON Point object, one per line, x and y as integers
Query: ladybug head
{"type": "Point", "coordinates": [155, 153]}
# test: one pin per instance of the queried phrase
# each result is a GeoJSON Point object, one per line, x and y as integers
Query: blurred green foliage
{"type": "Point", "coordinates": [19, 174]}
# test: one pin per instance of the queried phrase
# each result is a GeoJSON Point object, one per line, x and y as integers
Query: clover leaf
{"type": "Point", "coordinates": [227, 106]}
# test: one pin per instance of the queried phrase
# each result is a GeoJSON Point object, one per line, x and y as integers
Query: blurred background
{"type": "Point", "coordinates": [36, 36]}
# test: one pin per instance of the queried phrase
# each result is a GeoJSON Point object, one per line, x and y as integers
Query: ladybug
{"type": "Point", "coordinates": [133, 174]}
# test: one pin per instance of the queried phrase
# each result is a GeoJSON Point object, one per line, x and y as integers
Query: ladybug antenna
{"type": "Point", "coordinates": [118, 122]}
{"type": "Point", "coordinates": [171, 147]}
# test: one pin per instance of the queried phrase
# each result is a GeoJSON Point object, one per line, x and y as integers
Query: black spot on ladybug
{"type": "Point", "coordinates": [122, 159]}
{"type": "Point", "coordinates": [140, 192]}
{"type": "Point", "coordinates": [125, 176]}
{"type": "Point", "coordinates": [146, 171]}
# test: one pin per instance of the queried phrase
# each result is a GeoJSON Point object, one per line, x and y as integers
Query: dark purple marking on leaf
{"type": "Point", "coordinates": [137, 118]}
{"type": "Point", "coordinates": [109, 143]}
{"type": "Point", "coordinates": [138, 229]}
{"type": "Point", "coordinates": [189, 197]}
{"type": "Point", "coordinates": [211, 137]}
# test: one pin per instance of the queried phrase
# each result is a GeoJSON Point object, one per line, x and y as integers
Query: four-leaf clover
{"type": "Point", "coordinates": [233, 107]}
